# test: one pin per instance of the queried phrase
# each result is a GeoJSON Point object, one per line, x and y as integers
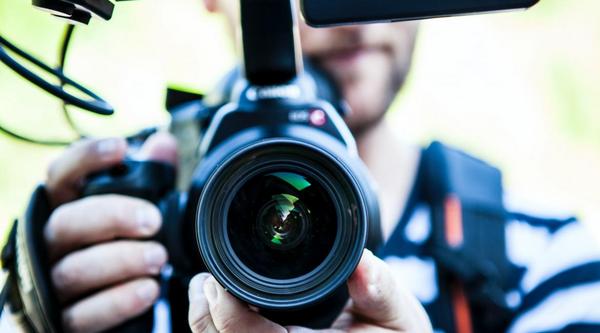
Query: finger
{"type": "Point", "coordinates": [66, 174]}
{"type": "Point", "coordinates": [378, 298]}
{"type": "Point", "coordinates": [161, 146]}
{"type": "Point", "coordinates": [111, 307]}
{"type": "Point", "coordinates": [199, 313]}
{"type": "Point", "coordinates": [230, 315]}
{"type": "Point", "coordinates": [99, 218]}
{"type": "Point", "coordinates": [80, 159]}
{"type": "Point", "coordinates": [346, 318]}
{"type": "Point", "coordinates": [106, 264]}
{"type": "Point", "coordinates": [356, 328]}
{"type": "Point", "coordinates": [299, 329]}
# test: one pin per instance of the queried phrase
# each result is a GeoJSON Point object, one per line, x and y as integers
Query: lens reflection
{"type": "Point", "coordinates": [282, 224]}
{"type": "Point", "coordinates": [283, 221]}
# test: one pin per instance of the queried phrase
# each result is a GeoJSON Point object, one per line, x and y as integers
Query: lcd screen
{"type": "Point", "coordinates": [336, 12]}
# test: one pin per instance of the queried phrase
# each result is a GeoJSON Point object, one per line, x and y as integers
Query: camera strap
{"type": "Point", "coordinates": [27, 288]}
{"type": "Point", "coordinates": [468, 239]}
{"type": "Point", "coordinates": [6, 277]}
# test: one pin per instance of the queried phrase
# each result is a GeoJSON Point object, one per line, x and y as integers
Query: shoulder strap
{"type": "Point", "coordinates": [27, 287]}
{"type": "Point", "coordinates": [468, 238]}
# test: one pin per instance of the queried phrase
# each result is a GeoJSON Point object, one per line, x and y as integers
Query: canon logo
{"type": "Point", "coordinates": [273, 92]}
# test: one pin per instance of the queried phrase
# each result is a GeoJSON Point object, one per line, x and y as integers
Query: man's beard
{"type": "Point", "coordinates": [398, 59]}
{"type": "Point", "coordinates": [395, 81]}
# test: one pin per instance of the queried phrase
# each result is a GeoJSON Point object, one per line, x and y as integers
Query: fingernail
{"type": "Point", "coordinates": [148, 220]}
{"type": "Point", "coordinates": [49, 234]}
{"type": "Point", "coordinates": [210, 290]}
{"type": "Point", "coordinates": [372, 275]}
{"type": "Point", "coordinates": [155, 258]}
{"type": "Point", "coordinates": [146, 291]}
{"type": "Point", "coordinates": [196, 291]}
{"type": "Point", "coordinates": [108, 146]}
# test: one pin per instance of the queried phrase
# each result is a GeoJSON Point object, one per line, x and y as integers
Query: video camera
{"type": "Point", "coordinates": [279, 207]}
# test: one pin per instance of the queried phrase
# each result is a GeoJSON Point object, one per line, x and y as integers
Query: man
{"type": "Point", "coordinates": [102, 282]}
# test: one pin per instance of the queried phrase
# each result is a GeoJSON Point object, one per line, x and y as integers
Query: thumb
{"type": "Point", "coordinates": [161, 147]}
{"type": "Point", "coordinates": [378, 297]}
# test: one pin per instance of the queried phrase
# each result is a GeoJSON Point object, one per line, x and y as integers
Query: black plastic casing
{"type": "Point", "coordinates": [338, 12]}
{"type": "Point", "coordinates": [263, 118]}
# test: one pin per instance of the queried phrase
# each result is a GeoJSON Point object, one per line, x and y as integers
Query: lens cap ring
{"type": "Point", "coordinates": [333, 173]}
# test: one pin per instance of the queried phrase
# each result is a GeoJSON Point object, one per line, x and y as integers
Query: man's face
{"type": "Point", "coordinates": [368, 62]}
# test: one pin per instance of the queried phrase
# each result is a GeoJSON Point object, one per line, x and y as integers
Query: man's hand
{"type": "Point", "coordinates": [378, 304]}
{"type": "Point", "coordinates": [102, 267]}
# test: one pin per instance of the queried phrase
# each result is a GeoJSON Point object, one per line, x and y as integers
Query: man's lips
{"type": "Point", "coordinates": [346, 57]}
{"type": "Point", "coordinates": [343, 59]}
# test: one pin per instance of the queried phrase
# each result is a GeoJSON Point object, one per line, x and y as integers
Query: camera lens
{"type": "Point", "coordinates": [282, 222]}
{"type": "Point", "coordinates": [282, 217]}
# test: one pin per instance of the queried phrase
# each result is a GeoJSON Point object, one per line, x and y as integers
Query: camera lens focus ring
{"type": "Point", "coordinates": [311, 207]}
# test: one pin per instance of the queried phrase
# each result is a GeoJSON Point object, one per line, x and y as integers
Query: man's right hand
{"type": "Point", "coordinates": [102, 266]}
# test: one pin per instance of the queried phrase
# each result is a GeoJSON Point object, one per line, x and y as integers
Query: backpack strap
{"type": "Point", "coordinates": [468, 238]}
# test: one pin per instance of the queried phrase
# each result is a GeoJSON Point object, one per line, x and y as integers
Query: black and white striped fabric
{"type": "Point", "coordinates": [558, 287]}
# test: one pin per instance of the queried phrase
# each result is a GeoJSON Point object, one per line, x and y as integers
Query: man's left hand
{"type": "Point", "coordinates": [378, 303]}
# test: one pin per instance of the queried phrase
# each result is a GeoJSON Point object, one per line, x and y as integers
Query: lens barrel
{"type": "Point", "coordinates": [282, 224]}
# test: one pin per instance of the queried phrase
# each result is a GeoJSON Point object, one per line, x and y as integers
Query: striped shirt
{"type": "Point", "coordinates": [558, 285]}
{"type": "Point", "coordinates": [558, 263]}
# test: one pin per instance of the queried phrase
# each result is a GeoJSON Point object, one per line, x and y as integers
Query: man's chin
{"type": "Point", "coordinates": [365, 113]}
{"type": "Point", "coordinates": [361, 125]}
{"type": "Point", "coordinates": [369, 98]}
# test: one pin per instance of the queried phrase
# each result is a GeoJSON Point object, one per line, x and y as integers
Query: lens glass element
{"type": "Point", "coordinates": [282, 225]}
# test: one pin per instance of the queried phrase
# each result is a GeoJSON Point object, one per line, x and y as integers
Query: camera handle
{"type": "Point", "coordinates": [270, 40]}
{"type": "Point", "coordinates": [148, 180]}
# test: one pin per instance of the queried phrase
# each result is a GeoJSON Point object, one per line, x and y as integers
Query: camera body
{"type": "Point", "coordinates": [279, 208]}
{"type": "Point", "coordinates": [278, 152]}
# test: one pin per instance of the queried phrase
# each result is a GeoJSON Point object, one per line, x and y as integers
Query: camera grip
{"type": "Point", "coordinates": [147, 180]}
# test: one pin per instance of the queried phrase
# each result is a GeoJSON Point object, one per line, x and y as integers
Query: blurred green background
{"type": "Point", "coordinates": [520, 89]}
